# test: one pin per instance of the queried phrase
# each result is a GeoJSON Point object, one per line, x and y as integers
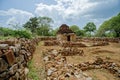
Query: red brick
{"type": "Point", "coordinates": [10, 57]}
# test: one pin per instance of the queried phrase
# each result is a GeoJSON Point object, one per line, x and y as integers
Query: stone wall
{"type": "Point", "coordinates": [63, 37]}
{"type": "Point", "coordinates": [99, 39]}
{"type": "Point", "coordinates": [71, 51]}
{"type": "Point", "coordinates": [14, 57]}
{"type": "Point", "coordinates": [51, 43]}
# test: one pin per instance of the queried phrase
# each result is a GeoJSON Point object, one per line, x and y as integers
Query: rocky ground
{"type": "Point", "coordinates": [108, 53]}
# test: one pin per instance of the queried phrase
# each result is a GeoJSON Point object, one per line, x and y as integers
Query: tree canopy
{"type": "Point", "coordinates": [32, 24]}
{"type": "Point", "coordinates": [39, 25]}
{"type": "Point", "coordinates": [90, 27]}
{"type": "Point", "coordinates": [111, 26]}
{"type": "Point", "coordinates": [74, 28]}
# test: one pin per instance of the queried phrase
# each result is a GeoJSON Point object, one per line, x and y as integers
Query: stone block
{"type": "Point", "coordinates": [13, 69]}
{"type": "Point", "coordinates": [4, 46]}
{"type": "Point", "coordinates": [1, 53]}
{"type": "Point", "coordinates": [3, 65]}
{"type": "Point", "coordinates": [10, 57]}
{"type": "Point", "coordinates": [3, 75]}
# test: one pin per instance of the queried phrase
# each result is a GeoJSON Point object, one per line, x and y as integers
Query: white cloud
{"type": "Point", "coordinates": [76, 11]}
{"type": "Point", "coordinates": [71, 12]}
{"type": "Point", "coordinates": [16, 16]}
{"type": "Point", "coordinates": [13, 11]}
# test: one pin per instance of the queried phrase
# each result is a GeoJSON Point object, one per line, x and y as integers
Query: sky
{"type": "Point", "coordinates": [70, 12]}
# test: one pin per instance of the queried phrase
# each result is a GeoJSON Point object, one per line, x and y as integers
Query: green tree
{"type": "Point", "coordinates": [112, 26]}
{"type": "Point", "coordinates": [44, 26]}
{"type": "Point", "coordinates": [80, 33]}
{"type": "Point", "coordinates": [53, 32]}
{"type": "Point", "coordinates": [90, 27]}
{"type": "Point", "coordinates": [74, 28]}
{"type": "Point", "coordinates": [32, 24]}
{"type": "Point", "coordinates": [39, 25]}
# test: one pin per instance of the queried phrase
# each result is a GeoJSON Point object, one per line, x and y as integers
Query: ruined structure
{"type": "Point", "coordinates": [14, 57]}
{"type": "Point", "coordinates": [65, 33]}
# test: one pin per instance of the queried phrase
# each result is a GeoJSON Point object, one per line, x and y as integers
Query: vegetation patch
{"type": "Point", "coordinates": [32, 71]}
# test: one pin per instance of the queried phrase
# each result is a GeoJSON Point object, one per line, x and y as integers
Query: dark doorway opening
{"type": "Point", "coordinates": [68, 38]}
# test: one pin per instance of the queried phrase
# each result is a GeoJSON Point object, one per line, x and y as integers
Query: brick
{"type": "Point", "coordinates": [10, 57]}
{"type": "Point", "coordinates": [3, 65]}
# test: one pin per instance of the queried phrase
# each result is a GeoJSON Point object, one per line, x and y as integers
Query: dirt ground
{"type": "Point", "coordinates": [109, 52]}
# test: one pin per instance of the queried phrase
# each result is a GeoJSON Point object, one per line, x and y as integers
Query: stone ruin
{"type": "Point", "coordinates": [99, 63]}
{"type": "Point", "coordinates": [71, 51]}
{"type": "Point", "coordinates": [102, 39]}
{"type": "Point", "coordinates": [51, 43]}
{"type": "Point", "coordinates": [80, 42]}
{"type": "Point", "coordinates": [14, 57]}
{"type": "Point", "coordinates": [57, 67]}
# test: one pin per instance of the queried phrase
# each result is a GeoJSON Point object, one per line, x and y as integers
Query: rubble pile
{"type": "Point", "coordinates": [14, 57]}
{"type": "Point", "coordinates": [72, 44]}
{"type": "Point", "coordinates": [100, 43]}
{"type": "Point", "coordinates": [47, 38]}
{"type": "Point", "coordinates": [116, 40]}
{"type": "Point", "coordinates": [51, 43]}
{"type": "Point", "coordinates": [83, 44]}
{"type": "Point", "coordinates": [100, 64]}
{"type": "Point", "coordinates": [71, 51]}
{"type": "Point", "coordinates": [57, 68]}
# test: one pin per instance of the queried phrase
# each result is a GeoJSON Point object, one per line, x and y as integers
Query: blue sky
{"type": "Point", "coordinates": [71, 12]}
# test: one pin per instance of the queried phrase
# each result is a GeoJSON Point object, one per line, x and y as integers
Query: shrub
{"type": "Point", "coordinates": [22, 34]}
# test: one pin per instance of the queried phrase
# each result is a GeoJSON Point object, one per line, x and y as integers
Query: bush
{"type": "Point", "coordinates": [5, 32]}
{"type": "Point", "coordinates": [22, 34]}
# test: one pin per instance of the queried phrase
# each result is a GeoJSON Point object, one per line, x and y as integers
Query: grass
{"type": "Point", "coordinates": [4, 38]}
{"type": "Point", "coordinates": [32, 75]}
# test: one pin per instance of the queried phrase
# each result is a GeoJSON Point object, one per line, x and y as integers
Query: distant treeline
{"type": "Point", "coordinates": [41, 26]}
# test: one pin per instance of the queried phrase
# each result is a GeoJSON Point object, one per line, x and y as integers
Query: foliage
{"type": "Point", "coordinates": [39, 25]}
{"type": "Point", "coordinates": [53, 32]}
{"type": "Point", "coordinates": [90, 27]}
{"type": "Point", "coordinates": [110, 27]}
{"type": "Point", "coordinates": [32, 73]}
{"type": "Point", "coordinates": [80, 33]}
{"type": "Point", "coordinates": [6, 32]}
{"type": "Point", "coordinates": [22, 34]}
{"type": "Point", "coordinates": [77, 30]}
{"type": "Point", "coordinates": [74, 28]}
{"type": "Point", "coordinates": [43, 31]}
{"type": "Point", "coordinates": [32, 24]}
{"type": "Point", "coordinates": [44, 26]}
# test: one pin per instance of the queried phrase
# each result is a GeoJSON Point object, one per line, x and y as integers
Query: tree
{"type": "Point", "coordinates": [44, 26]}
{"type": "Point", "coordinates": [74, 28]}
{"type": "Point", "coordinates": [32, 24]}
{"type": "Point", "coordinates": [80, 33]}
{"type": "Point", "coordinates": [39, 25]}
{"type": "Point", "coordinates": [90, 27]}
{"type": "Point", "coordinates": [112, 26]}
{"type": "Point", "coordinates": [53, 32]}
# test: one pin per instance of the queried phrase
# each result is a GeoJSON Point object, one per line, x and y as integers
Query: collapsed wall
{"type": "Point", "coordinates": [57, 68]}
{"type": "Point", "coordinates": [14, 57]}
{"type": "Point", "coordinates": [107, 39]}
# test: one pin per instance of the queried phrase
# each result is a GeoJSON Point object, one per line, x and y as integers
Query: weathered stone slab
{"type": "Point", "coordinates": [1, 53]}
{"type": "Point", "coordinates": [10, 57]}
{"type": "Point", "coordinates": [13, 69]}
{"type": "Point", "coordinates": [4, 46]}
